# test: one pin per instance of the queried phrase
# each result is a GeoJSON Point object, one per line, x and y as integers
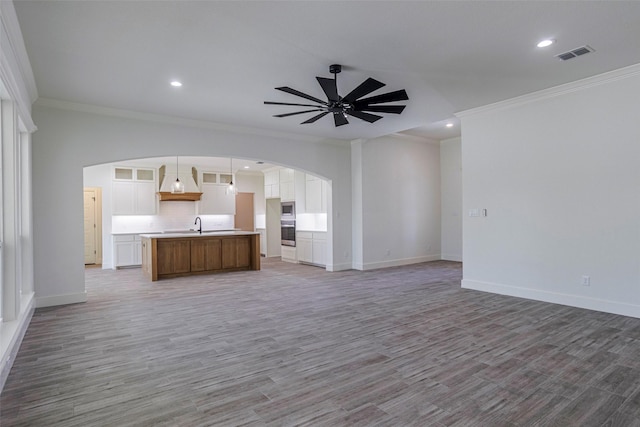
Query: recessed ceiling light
{"type": "Point", "coordinates": [546, 42]}
{"type": "Point", "coordinates": [246, 167]}
{"type": "Point", "coordinates": [176, 83]}
{"type": "Point", "coordinates": [449, 125]}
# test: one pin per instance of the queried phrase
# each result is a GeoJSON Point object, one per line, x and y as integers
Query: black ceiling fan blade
{"type": "Point", "coordinates": [301, 95]}
{"type": "Point", "coordinates": [398, 95]}
{"type": "Point", "coordinates": [288, 103]}
{"type": "Point", "coordinates": [364, 116]}
{"type": "Point", "coordinates": [365, 88]}
{"type": "Point", "coordinates": [339, 119]}
{"type": "Point", "coordinates": [297, 112]}
{"type": "Point", "coordinates": [329, 88]}
{"type": "Point", "coordinates": [393, 109]}
{"type": "Point", "coordinates": [315, 118]}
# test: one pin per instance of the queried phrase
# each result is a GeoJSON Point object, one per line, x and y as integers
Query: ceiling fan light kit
{"type": "Point", "coordinates": [353, 104]}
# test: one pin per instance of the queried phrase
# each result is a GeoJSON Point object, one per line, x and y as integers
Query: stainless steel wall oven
{"type": "Point", "coordinates": [288, 232]}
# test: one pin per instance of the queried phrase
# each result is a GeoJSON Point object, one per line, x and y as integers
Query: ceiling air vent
{"type": "Point", "coordinates": [575, 53]}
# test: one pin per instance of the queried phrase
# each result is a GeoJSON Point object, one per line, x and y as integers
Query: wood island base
{"type": "Point", "coordinates": [166, 256]}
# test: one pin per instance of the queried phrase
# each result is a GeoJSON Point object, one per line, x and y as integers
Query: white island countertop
{"type": "Point", "coordinates": [210, 233]}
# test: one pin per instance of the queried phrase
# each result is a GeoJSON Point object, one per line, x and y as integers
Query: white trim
{"type": "Point", "coordinates": [158, 118]}
{"type": "Point", "coordinates": [552, 92]}
{"type": "Point", "coordinates": [579, 301]}
{"type": "Point", "coordinates": [61, 300]}
{"type": "Point", "coordinates": [18, 48]}
{"type": "Point", "coordinates": [399, 262]}
{"type": "Point", "coordinates": [11, 335]}
{"type": "Point", "coordinates": [449, 257]}
{"type": "Point", "coordinates": [15, 69]}
{"type": "Point", "coordinates": [338, 267]}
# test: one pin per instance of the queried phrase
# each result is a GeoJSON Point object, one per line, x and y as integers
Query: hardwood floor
{"type": "Point", "coordinates": [295, 345]}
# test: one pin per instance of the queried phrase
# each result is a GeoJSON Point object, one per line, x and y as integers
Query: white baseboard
{"type": "Point", "coordinates": [451, 257]}
{"type": "Point", "coordinates": [11, 335]}
{"type": "Point", "coordinates": [339, 267]}
{"type": "Point", "coordinates": [399, 262]}
{"type": "Point", "coordinates": [579, 301]}
{"type": "Point", "coordinates": [61, 300]}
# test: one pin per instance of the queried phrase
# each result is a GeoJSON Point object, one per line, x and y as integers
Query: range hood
{"type": "Point", "coordinates": [188, 178]}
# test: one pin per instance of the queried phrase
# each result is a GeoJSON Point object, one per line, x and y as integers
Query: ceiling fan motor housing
{"type": "Point", "coordinates": [335, 68]}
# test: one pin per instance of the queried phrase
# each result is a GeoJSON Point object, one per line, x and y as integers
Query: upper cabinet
{"type": "Point", "coordinates": [134, 191]}
{"type": "Point", "coordinates": [215, 200]}
{"type": "Point", "coordinates": [287, 185]}
{"type": "Point", "coordinates": [272, 184]}
{"type": "Point", "coordinates": [315, 195]}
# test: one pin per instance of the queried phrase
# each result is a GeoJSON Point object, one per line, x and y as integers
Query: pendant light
{"type": "Point", "coordinates": [232, 188]}
{"type": "Point", "coordinates": [177, 187]}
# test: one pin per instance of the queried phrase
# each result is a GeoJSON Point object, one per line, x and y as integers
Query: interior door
{"type": "Point", "coordinates": [244, 218]}
{"type": "Point", "coordinates": [90, 227]}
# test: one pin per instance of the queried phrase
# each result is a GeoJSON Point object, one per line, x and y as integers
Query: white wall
{"type": "Point", "coordinates": [68, 140]}
{"type": "Point", "coordinates": [558, 174]}
{"type": "Point", "coordinates": [400, 200]}
{"type": "Point", "coordinates": [451, 181]}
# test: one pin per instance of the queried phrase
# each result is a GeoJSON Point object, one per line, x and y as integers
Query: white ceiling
{"type": "Point", "coordinates": [230, 55]}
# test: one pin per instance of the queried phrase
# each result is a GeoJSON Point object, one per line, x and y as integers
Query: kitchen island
{"type": "Point", "coordinates": [184, 254]}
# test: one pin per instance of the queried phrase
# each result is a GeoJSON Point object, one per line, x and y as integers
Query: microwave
{"type": "Point", "coordinates": [288, 210]}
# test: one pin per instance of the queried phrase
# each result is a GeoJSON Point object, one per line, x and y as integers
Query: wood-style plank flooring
{"type": "Point", "coordinates": [295, 345]}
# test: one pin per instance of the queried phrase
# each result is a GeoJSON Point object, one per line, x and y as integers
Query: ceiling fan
{"type": "Point", "coordinates": [353, 104]}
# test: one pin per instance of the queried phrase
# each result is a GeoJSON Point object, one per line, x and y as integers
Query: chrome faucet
{"type": "Point", "coordinates": [199, 229]}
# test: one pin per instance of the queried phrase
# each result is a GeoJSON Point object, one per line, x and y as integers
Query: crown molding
{"type": "Point", "coordinates": [600, 79]}
{"type": "Point", "coordinates": [179, 121]}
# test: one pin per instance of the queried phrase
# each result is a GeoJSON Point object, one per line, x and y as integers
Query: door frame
{"type": "Point", "coordinates": [98, 220]}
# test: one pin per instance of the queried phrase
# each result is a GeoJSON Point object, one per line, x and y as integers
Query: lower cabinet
{"type": "Point", "coordinates": [127, 250]}
{"type": "Point", "coordinates": [312, 247]}
{"type": "Point", "coordinates": [236, 253]}
{"type": "Point", "coordinates": [206, 255]}
{"type": "Point", "coordinates": [288, 253]}
{"type": "Point", "coordinates": [174, 256]}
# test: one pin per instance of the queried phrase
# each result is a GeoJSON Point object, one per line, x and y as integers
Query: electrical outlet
{"type": "Point", "coordinates": [586, 281]}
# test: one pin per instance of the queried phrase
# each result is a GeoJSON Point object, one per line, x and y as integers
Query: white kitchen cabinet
{"type": "Point", "coordinates": [285, 175]}
{"type": "Point", "coordinates": [288, 253]}
{"type": "Point", "coordinates": [123, 198]}
{"type": "Point", "coordinates": [311, 247]}
{"type": "Point", "coordinates": [216, 201]}
{"type": "Point", "coordinates": [133, 191]}
{"type": "Point", "coordinates": [319, 248]}
{"type": "Point", "coordinates": [304, 246]}
{"type": "Point", "coordinates": [315, 195]}
{"type": "Point", "coordinates": [286, 185]}
{"type": "Point", "coordinates": [127, 250]}
{"type": "Point", "coordinates": [287, 192]}
{"type": "Point", "coordinates": [145, 198]}
{"type": "Point", "coordinates": [272, 184]}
